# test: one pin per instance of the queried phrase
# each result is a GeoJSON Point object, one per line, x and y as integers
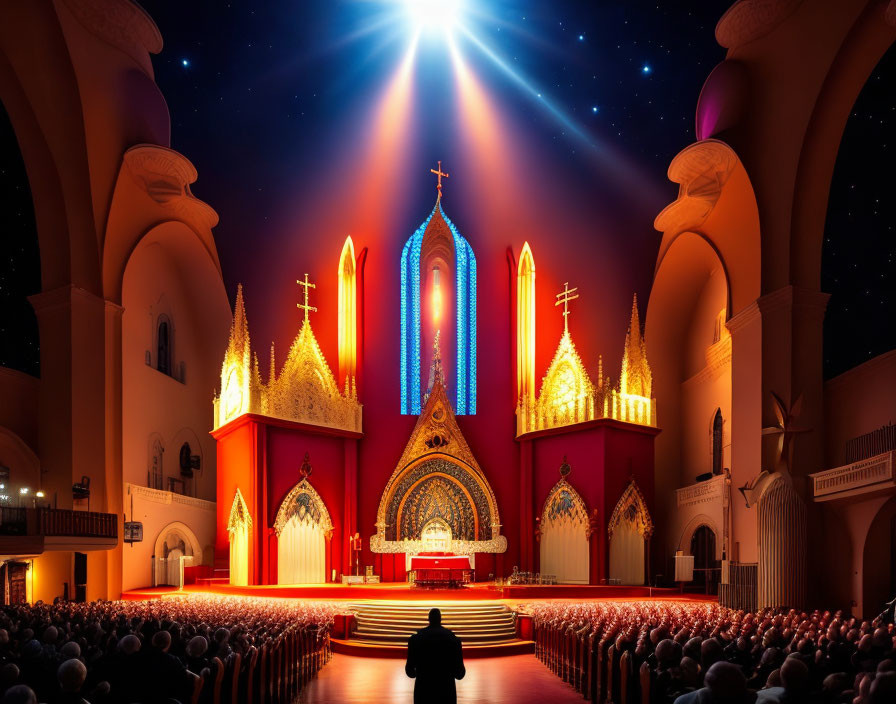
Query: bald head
{"type": "Point", "coordinates": [794, 675]}
{"type": "Point", "coordinates": [726, 681]}
{"type": "Point", "coordinates": [435, 617]}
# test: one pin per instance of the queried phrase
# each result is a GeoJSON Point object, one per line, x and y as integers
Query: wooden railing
{"type": "Point", "coordinates": [739, 585]}
{"type": "Point", "coordinates": [274, 673]}
{"type": "Point", "coordinates": [856, 477]}
{"type": "Point", "coordinates": [57, 522]}
{"type": "Point", "coordinates": [81, 524]}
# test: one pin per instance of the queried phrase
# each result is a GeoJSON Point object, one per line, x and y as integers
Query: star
{"type": "Point", "coordinates": [185, 62]}
{"type": "Point", "coordinates": [645, 69]}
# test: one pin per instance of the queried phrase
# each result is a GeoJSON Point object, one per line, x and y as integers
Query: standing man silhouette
{"type": "Point", "coordinates": [436, 660]}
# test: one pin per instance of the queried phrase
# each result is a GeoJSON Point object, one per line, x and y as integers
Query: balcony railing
{"type": "Point", "coordinates": [702, 492]}
{"type": "Point", "coordinates": [58, 522]}
{"type": "Point", "coordinates": [856, 478]}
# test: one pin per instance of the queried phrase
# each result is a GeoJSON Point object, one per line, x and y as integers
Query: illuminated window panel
{"type": "Point", "coordinates": [465, 333]}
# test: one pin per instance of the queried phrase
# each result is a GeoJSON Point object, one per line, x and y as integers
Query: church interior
{"type": "Point", "coordinates": [609, 482]}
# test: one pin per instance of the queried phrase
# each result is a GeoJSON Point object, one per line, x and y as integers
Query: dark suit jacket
{"type": "Point", "coordinates": [436, 660]}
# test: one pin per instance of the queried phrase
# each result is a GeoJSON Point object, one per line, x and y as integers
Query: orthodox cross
{"type": "Point", "coordinates": [439, 173]}
{"type": "Point", "coordinates": [568, 294]}
{"type": "Point", "coordinates": [306, 285]}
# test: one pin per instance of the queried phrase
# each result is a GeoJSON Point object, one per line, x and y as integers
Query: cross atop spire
{"type": "Point", "coordinates": [568, 294]}
{"type": "Point", "coordinates": [439, 173]}
{"type": "Point", "coordinates": [306, 285]}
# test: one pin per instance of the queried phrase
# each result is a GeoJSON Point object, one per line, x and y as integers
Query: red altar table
{"type": "Point", "coordinates": [440, 570]}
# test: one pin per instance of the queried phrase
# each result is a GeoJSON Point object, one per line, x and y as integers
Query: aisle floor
{"type": "Point", "coordinates": [515, 679]}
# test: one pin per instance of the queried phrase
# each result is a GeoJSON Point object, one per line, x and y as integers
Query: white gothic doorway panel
{"type": "Point", "coordinates": [564, 535]}
{"type": "Point", "coordinates": [627, 554]}
{"type": "Point", "coordinates": [239, 556]}
{"type": "Point", "coordinates": [301, 553]}
{"type": "Point", "coordinates": [175, 568]}
{"type": "Point", "coordinates": [564, 551]}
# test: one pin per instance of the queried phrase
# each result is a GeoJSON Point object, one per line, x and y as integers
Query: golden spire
{"type": "Point", "coordinates": [636, 378]}
{"type": "Point", "coordinates": [439, 173]}
{"type": "Point", "coordinates": [305, 306]}
{"type": "Point", "coordinates": [239, 328]}
{"type": "Point", "coordinates": [568, 294]}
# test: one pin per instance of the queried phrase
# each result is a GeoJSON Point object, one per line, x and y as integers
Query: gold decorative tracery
{"type": "Point", "coordinates": [564, 504]}
{"type": "Point", "coordinates": [437, 477]}
{"type": "Point", "coordinates": [305, 390]}
{"type": "Point", "coordinates": [304, 503]}
{"type": "Point", "coordinates": [632, 508]}
{"type": "Point", "coordinates": [568, 395]}
{"type": "Point", "coordinates": [239, 514]}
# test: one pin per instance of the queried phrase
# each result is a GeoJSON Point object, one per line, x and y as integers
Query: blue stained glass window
{"type": "Point", "coordinates": [465, 297]}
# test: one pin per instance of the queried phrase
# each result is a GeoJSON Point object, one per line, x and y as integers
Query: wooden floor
{"type": "Point", "coordinates": [516, 679]}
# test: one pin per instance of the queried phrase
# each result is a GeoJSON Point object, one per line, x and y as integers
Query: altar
{"type": "Point", "coordinates": [440, 570]}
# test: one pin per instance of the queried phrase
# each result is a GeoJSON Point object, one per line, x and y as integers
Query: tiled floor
{"type": "Point", "coordinates": [516, 679]}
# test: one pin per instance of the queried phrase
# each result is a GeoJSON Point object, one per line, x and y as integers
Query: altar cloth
{"type": "Point", "coordinates": [453, 562]}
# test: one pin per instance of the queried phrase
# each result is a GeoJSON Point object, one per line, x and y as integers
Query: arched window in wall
{"type": "Point", "coordinates": [19, 259]}
{"type": "Point", "coordinates": [347, 313]}
{"type": "Point", "coordinates": [155, 475]}
{"type": "Point", "coordinates": [163, 345]}
{"type": "Point", "coordinates": [525, 324]}
{"type": "Point", "coordinates": [438, 295]}
{"type": "Point", "coordinates": [717, 442]}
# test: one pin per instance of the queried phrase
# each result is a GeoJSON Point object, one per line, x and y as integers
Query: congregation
{"type": "Point", "coordinates": [688, 653]}
{"type": "Point", "coordinates": [198, 649]}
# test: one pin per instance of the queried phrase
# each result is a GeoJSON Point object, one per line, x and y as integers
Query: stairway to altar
{"type": "Point", "coordinates": [383, 628]}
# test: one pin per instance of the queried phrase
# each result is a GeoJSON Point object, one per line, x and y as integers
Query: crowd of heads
{"type": "Point", "coordinates": [701, 652]}
{"type": "Point", "coordinates": [118, 652]}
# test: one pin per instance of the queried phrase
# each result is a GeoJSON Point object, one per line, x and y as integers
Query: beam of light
{"type": "Point", "coordinates": [485, 136]}
{"type": "Point", "coordinates": [629, 174]}
{"type": "Point", "coordinates": [388, 145]}
{"type": "Point", "coordinates": [561, 117]}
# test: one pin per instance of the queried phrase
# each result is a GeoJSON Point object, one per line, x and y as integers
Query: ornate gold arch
{"type": "Point", "coordinates": [437, 451]}
{"type": "Point", "coordinates": [632, 507]}
{"type": "Point", "coordinates": [314, 508]}
{"type": "Point", "coordinates": [564, 501]}
{"type": "Point", "coordinates": [239, 513]}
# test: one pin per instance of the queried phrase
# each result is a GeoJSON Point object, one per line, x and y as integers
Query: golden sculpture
{"type": "Point", "coordinates": [437, 477]}
{"type": "Point", "coordinates": [567, 395]}
{"type": "Point", "coordinates": [305, 390]}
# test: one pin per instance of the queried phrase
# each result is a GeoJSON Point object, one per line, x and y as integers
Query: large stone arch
{"type": "Point", "coordinates": [189, 538]}
{"type": "Point", "coordinates": [684, 541]}
{"type": "Point", "coordinates": [878, 554]}
{"type": "Point", "coordinates": [692, 372]}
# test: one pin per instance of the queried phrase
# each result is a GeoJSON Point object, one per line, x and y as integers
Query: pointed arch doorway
{"type": "Point", "coordinates": [629, 530]}
{"type": "Point", "coordinates": [564, 551]}
{"type": "Point", "coordinates": [238, 530]}
{"type": "Point", "coordinates": [304, 530]}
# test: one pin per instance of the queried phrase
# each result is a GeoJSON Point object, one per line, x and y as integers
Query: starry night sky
{"type": "Point", "coordinates": [269, 100]}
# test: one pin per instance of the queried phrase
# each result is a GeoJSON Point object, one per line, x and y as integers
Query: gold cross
{"type": "Point", "coordinates": [568, 294]}
{"type": "Point", "coordinates": [439, 173]}
{"type": "Point", "coordinates": [306, 307]}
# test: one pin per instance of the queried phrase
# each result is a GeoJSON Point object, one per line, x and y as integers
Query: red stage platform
{"type": "Point", "coordinates": [403, 591]}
